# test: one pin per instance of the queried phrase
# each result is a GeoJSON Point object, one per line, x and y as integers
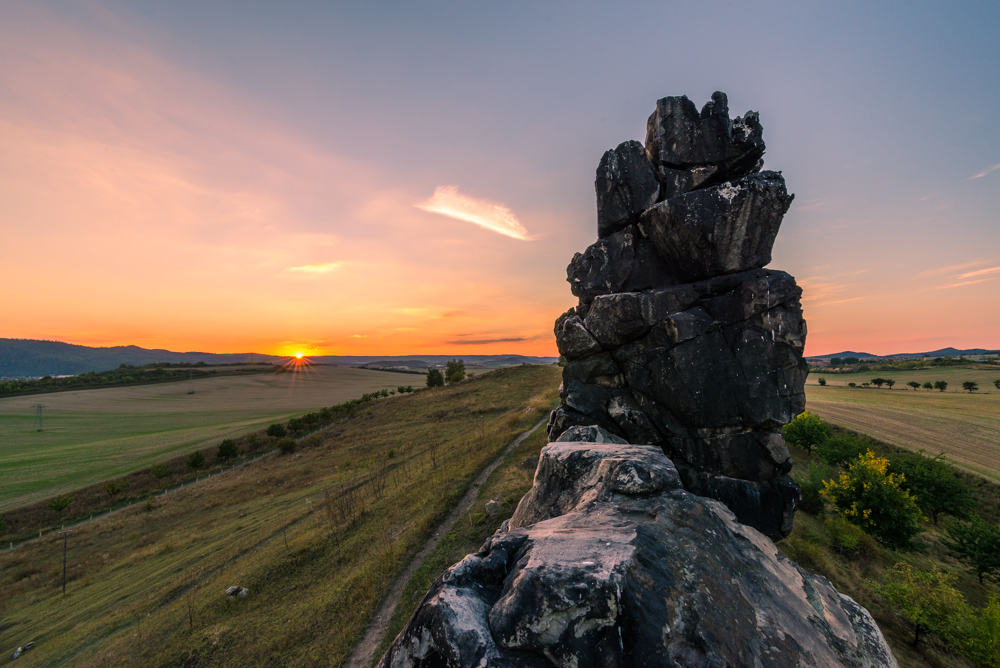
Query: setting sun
{"type": "Point", "coordinates": [298, 355]}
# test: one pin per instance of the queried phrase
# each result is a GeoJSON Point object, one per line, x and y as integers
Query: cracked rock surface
{"type": "Point", "coordinates": [608, 561]}
{"type": "Point", "coordinates": [681, 338]}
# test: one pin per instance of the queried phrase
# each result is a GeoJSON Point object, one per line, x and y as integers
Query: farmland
{"type": "Point", "coordinates": [91, 435]}
{"type": "Point", "coordinates": [317, 537]}
{"type": "Point", "coordinates": [966, 427]}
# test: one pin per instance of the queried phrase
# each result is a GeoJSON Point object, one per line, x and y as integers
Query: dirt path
{"type": "Point", "coordinates": [364, 651]}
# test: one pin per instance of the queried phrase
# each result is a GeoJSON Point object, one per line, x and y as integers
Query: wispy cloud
{"type": "Point", "coordinates": [478, 342]}
{"type": "Point", "coordinates": [986, 171]}
{"type": "Point", "coordinates": [961, 283]}
{"type": "Point", "coordinates": [319, 268]}
{"type": "Point", "coordinates": [980, 272]}
{"type": "Point", "coordinates": [447, 201]}
{"type": "Point", "coordinates": [950, 268]}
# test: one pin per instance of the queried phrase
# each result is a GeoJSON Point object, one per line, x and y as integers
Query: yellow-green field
{"type": "Point", "coordinates": [966, 427]}
{"type": "Point", "coordinates": [317, 537]}
{"type": "Point", "coordinates": [92, 435]}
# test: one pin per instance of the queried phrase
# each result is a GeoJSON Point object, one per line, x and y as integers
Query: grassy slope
{"type": "Point", "coordinates": [146, 588]}
{"type": "Point", "coordinates": [964, 426]}
{"type": "Point", "coordinates": [91, 435]}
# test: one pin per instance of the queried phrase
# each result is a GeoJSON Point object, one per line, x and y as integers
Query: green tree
{"type": "Point", "coordinates": [874, 499]}
{"type": "Point", "coordinates": [454, 371]}
{"type": "Point", "coordinates": [60, 503]}
{"type": "Point", "coordinates": [970, 385]}
{"type": "Point", "coordinates": [434, 378]}
{"type": "Point", "coordinates": [941, 385]}
{"type": "Point", "coordinates": [563, 362]}
{"type": "Point", "coordinates": [286, 445]}
{"type": "Point", "coordinates": [3, 525]}
{"type": "Point", "coordinates": [227, 449]}
{"type": "Point", "coordinates": [836, 361]}
{"type": "Point", "coordinates": [115, 487]}
{"type": "Point", "coordinates": [981, 640]}
{"type": "Point", "coordinates": [277, 430]}
{"type": "Point", "coordinates": [925, 599]}
{"type": "Point", "coordinates": [806, 431]}
{"type": "Point", "coordinates": [996, 383]}
{"type": "Point", "coordinates": [935, 484]}
{"type": "Point", "coordinates": [842, 450]}
{"type": "Point", "coordinates": [812, 498]}
{"type": "Point", "coordinates": [977, 543]}
{"type": "Point", "coordinates": [196, 459]}
{"type": "Point", "coordinates": [852, 384]}
{"type": "Point", "coordinates": [878, 382]}
{"type": "Point", "coordinates": [890, 382]}
{"type": "Point", "coordinates": [821, 381]}
{"type": "Point", "coordinates": [161, 470]}
{"type": "Point", "coordinates": [928, 386]}
{"type": "Point", "coordinates": [914, 384]}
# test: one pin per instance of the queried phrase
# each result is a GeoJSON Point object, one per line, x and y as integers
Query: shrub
{"type": "Point", "coordinates": [980, 641]}
{"type": "Point", "coordinates": [3, 524]}
{"type": "Point", "coordinates": [148, 506]}
{"type": "Point", "coordinates": [115, 487]}
{"type": "Point", "coordinates": [812, 499]}
{"type": "Point", "coordinates": [60, 503]}
{"type": "Point", "coordinates": [934, 483]}
{"type": "Point", "coordinates": [821, 381]}
{"type": "Point", "coordinates": [977, 543]}
{"type": "Point", "coordinates": [842, 449]}
{"type": "Point", "coordinates": [161, 470]}
{"type": "Point", "coordinates": [286, 445]}
{"type": "Point", "coordinates": [925, 599]}
{"type": "Point", "coordinates": [277, 430]}
{"type": "Point", "coordinates": [434, 378]}
{"type": "Point", "coordinates": [874, 499]}
{"type": "Point", "coordinates": [454, 371]}
{"type": "Point", "coordinates": [806, 431]}
{"type": "Point", "coordinates": [850, 540]}
{"type": "Point", "coordinates": [196, 459]}
{"type": "Point", "coordinates": [227, 449]}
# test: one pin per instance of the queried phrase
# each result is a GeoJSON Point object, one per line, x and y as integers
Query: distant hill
{"type": "Point", "coordinates": [33, 358]}
{"type": "Point", "coordinates": [943, 352]}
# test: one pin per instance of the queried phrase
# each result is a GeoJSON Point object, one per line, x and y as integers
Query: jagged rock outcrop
{"type": "Point", "coordinates": [681, 339]}
{"type": "Point", "coordinates": [608, 561]}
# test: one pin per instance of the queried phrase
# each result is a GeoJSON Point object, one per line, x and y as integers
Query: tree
{"type": "Point", "coordinates": [926, 599]}
{"type": "Point", "coordinates": [970, 385]}
{"type": "Point", "coordinates": [60, 503]}
{"type": "Point", "coordinates": [977, 543]}
{"type": "Point", "coordinates": [996, 383]}
{"type": "Point", "coordinates": [981, 638]}
{"type": "Point", "coordinates": [874, 499]}
{"type": "Point", "coordinates": [934, 483]}
{"type": "Point", "coordinates": [878, 382]}
{"type": "Point", "coordinates": [806, 431]}
{"type": "Point", "coordinates": [836, 361]}
{"type": "Point", "coordinates": [842, 450]}
{"type": "Point", "coordinates": [914, 384]}
{"type": "Point", "coordinates": [287, 445]}
{"type": "Point", "coordinates": [454, 371]}
{"type": "Point", "coordinates": [161, 470]}
{"type": "Point", "coordinates": [852, 384]}
{"type": "Point", "coordinates": [115, 487]}
{"type": "Point", "coordinates": [890, 382]}
{"type": "Point", "coordinates": [928, 386]}
{"type": "Point", "coordinates": [941, 385]}
{"type": "Point", "coordinates": [821, 381]}
{"type": "Point", "coordinates": [434, 378]}
{"type": "Point", "coordinates": [277, 430]}
{"type": "Point", "coordinates": [196, 459]}
{"type": "Point", "coordinates": [227, 449]}
{"type": "Point", "coordinates": [3, 524]}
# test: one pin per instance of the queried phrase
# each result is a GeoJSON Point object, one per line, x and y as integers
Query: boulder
{"type": "Point", "coordinates": [609, 561]}
{"type": "Point", "coordinates": [626, 186]}
{"type": "Point", "coordinates": [622, 262]}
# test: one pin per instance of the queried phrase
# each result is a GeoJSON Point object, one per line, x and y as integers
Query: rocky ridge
{"type": "Point", "coordinates": [681, 339]}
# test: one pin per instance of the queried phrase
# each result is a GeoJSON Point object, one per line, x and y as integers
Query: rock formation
{"type": "Point", "coordinates": [681, 339]}
{"type": "Point", "coordinates": [609, 562]}
{"type": "Point", "coordinates": [623, 554]}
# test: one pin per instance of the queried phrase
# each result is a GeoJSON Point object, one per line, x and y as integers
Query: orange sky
{"type": "Point", "coordinates": [175, 194]}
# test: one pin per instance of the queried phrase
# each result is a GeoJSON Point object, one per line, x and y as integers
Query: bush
{"type": "Point", "coordinates": [806, 431]}
{"type": "Point", "coordinates": [286, 445]}
{"type": "Point", "coordinates": [821, 381]}
{"type": "Point", "coordinates": [434, 378]}
{"type": "Point", "coordinates": [980, 641]}
{"type": "Point", "coordinates": [277, 430]}
{"type": "Point", "coordinates": [812, 499]}
{"type": "Point", "coordinates": [849, 540]}
{"type": "Point", "coordinates": [161, 470]}
{"type": "Point", "coordinates": [227, 449]}
{"type": "Point", "coordinates": [841, 450]}
{"type": "Point", "coordinates": [925, 599]}
{"type": "Point", "coordinates": [977, 543]}
{"type": "Point", "coordinates": [454, 371]}
{"type": "Point", "coordinates": [196, 459]}
{"type": "Point", "coordinates": [935, 484]}
{"type": "Point", "coordinates": [115, 487]}
{"type": "Point", "coordinates": [3, 524]}
{"type": "Point", "coordinates": [874, 499]}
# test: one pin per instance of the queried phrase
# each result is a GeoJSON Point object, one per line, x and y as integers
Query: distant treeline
{"type": "Point", "coordinates": [852, 364]}
{"type": "Point", "coordinates": [126, 374]}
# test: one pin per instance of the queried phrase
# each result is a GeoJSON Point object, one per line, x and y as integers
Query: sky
{"type": "Point", "coordinates": [401, 178]}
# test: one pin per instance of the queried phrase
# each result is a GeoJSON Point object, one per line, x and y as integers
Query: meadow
{"type": "Point", "coordinates": [317, 537]}
{"type": "Point", "coordinates": [966, 427]}
{"type": "Point", "coordinates": [91, 435]}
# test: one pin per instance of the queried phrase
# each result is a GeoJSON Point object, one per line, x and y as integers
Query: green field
{"type": "Point", "coordinates": [317, 537]}
{"type": "Point", "coordinates": [92, 435]}
{"type": "Point", "coordinates": [966, 427]}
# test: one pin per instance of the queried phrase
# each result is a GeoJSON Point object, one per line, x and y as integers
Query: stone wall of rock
{"type": "Point", "coordinates": [681, 338]}
{"type": "Point", "coordinates": [609, 562]}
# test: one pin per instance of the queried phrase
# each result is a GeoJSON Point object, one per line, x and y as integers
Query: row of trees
{"type": "Point", "coordinates": [940, 385]}
{"type": "Point", "coordinates": [454, 371]}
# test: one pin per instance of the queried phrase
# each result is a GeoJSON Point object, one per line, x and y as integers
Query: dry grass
{"type": "Point", "coordinates": [91, 435]}
{"type": "Point", "coordinates": [146, 588]}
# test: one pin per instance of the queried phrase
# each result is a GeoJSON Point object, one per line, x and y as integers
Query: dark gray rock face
{"type": "Point", "coordinates": [681, 338]}
{"type": "Point", "coordinates": [609, 562]}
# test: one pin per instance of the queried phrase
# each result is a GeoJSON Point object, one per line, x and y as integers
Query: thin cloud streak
{"type": "Point", "coordinates": [479, 342]}
{"type": "Point", "coordinates": [447, 201]}
{"type": "Point", "coordinates": [322, 268]}
{"type": "Point", "coordinates": [986, 172]}
{"type": "Point", "coordinates": [980, 272]}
